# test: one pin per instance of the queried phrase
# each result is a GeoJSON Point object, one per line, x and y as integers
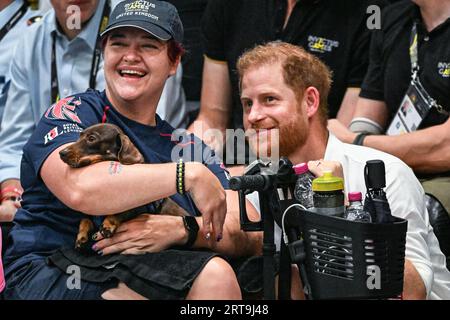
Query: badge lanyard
{"type": "Point", "coordinates": [95, 59]}
{"type": "Point", "coordinates": [13, 21]}
{"type": "Point", "coordinates": [413, 53]}
{"type": "Point", "coordinates": [417, 103]}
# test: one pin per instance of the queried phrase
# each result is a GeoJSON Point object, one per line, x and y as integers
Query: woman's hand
{"type": "Point", "coordinates": [208, 195]}
{"type": "Point", "coordinates": [8, 209]}
{"type": "Point", "coordinates": [143, 234]}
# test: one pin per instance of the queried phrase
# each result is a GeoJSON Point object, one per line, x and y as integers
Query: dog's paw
{"type": "Point", "coordinates": [107, 232]}
{"type": "Point", "coordinates": [81, 242]}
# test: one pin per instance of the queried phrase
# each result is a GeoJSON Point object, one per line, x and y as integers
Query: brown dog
{"type": "Point", "coordinates": [107, 142]}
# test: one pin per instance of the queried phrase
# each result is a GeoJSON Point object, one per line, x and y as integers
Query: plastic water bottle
{"type": "Point", "coordinates": [328, 195]}
{"type": "Point", "coordinates": [303, 187]}
{"type": "Point", "coordinates": [355, 211]}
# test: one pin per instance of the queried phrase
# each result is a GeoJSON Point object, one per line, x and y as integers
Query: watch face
{"type": "Point", "coordinates": [192, 227]}
{"type": "Point", "coordinates": [191, 223]}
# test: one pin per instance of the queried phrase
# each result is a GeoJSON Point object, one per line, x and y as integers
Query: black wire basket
{"type": "Point", "coordinates": [350, 260]}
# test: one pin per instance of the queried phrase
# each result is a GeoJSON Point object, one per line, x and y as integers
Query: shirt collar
{"type": "Point", "coordinates": [334, 148]}
{"type": "Point", "coordinates": [90, 31]}
{"type": "Point", "coordinates": [9, 11]}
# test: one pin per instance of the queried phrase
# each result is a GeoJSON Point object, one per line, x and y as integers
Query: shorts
{"type": "Point", "coordinates": [39, 281]}
{"type": "Point", "coordinates": [165, 275]}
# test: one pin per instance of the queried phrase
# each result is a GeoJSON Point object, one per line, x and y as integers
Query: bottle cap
{"type": "Point", "coordinates": [354, 196]}
{"type": "Point", "coordinates": [328, 182]}
{"type": "Point", "coordinates": [301, 168]}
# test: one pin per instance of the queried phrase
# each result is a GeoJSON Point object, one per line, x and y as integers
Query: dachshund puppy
{"type": "Point", "coordinates": [107, 142]}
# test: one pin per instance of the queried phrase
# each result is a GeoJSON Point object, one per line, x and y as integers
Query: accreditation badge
{"type": "Point", "coordinates": [412, 111]}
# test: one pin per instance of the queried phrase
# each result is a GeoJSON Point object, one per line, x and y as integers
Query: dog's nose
{"type": "Point", "coordinates": [64, 153]}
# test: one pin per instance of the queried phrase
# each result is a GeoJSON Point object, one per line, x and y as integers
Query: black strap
{"type": "Point", "coordinates": [414, 56]}
{"type": "Point", "coordinates": [284, 280]}
{"type": "Point", "coordinates": [95, 58]}
{"type": "Point", "coordinates": [13, 21]}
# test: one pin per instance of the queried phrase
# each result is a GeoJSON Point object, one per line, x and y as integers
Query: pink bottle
{"type": "Point", "coordinates": [2, 277]}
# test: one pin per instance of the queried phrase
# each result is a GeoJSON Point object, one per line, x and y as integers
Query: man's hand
{"type": "Point", "coordinates": [146, 233]}
{"type": "Point", "coordinates": [213, 137]}
{"type": "Point", "coordinates": [340, 131]}
{"type": "Point", "coordinates": [317, 167]}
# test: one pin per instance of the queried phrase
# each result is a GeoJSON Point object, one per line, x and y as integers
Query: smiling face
{"type": "Point", "coordinates": [136, 67]}
{"type": "Point", "coordinates": [269, 104]}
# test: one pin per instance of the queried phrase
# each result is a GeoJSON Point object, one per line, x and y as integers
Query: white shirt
{"type": "Point", "coordinates": [406, 199]}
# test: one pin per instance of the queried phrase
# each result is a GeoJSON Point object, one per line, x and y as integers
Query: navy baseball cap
{"type": "Point", "coordinates": [158, 18]}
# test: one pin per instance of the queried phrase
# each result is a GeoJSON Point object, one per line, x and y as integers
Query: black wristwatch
{"type": "Point", "coordinates": [359, 139]}
{"type": "Point", "coordinates": [191, 225]}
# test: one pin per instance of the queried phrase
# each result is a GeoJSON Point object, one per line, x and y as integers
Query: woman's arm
{"type": "Point", "coordinates": [109, 187]}
{"type": "Point", "coordinates": [154, 233]}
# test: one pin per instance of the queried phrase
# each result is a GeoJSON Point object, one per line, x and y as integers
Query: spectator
{"type": "Point", "coordinates": [140, 54]}
{"type": "Point", "coordinates": [191, 13]}
{"type": "Point", "coordinates": [36, 82]}
{"type": "Point", "coordinates": [285, 88]}
{"type": "Point", "coordinates": [335, 31]}
{"type": "Point", "coordinates": [15, 18]}
{"type": "Point", "coordinates": [426, 150]}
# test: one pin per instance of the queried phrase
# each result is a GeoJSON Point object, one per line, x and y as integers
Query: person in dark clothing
{"type": "Point", "coordinates": [335, 31]}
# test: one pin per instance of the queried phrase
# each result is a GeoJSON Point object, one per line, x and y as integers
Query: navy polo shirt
{"type": "Point", "coordinates": [44, 223]}
{"type": "Point", "coordinates": [389, 73]}
{"type": "Point", "coordinates": [333, 30]}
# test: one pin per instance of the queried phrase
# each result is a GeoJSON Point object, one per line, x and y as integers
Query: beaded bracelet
{"type": "Point", "coordinates": [180, 177]}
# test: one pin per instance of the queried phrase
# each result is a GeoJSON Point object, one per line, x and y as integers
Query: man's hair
{"type": "Point", "coordinates": [300, 69]}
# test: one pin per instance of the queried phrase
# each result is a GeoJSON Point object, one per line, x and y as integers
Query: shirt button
{"type": "Point", "coordinates": [426, 38]}
{"type": "Point", "coordinates": [66, 92]}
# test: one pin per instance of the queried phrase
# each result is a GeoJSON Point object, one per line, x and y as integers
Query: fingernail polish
{"type": "Point", "coordinates": [219, 237]}
{"type": "Point", "coordinates": [94, 247]}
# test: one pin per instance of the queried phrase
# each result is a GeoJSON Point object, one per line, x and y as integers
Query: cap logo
{"type": "Point", "coordinates": [138, 7]}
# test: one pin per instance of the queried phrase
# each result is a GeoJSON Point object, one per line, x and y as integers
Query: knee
{"type": "Point", "coordinates": [296, 284]}
{"type": "Point", "coordinates": [219, 276]}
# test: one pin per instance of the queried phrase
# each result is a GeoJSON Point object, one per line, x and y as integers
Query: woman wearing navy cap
{"type": "Point", "coordinates": [141, 47]}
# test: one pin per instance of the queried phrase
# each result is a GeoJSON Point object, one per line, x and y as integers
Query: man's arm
{"type": "Point", "coordinates": [216, 102]}
{"type": "Point", "coordinates": [17, 125]}
{"type": "Point", "coordinates": [426, 150]}
{"type": "Point", "coordinates": [348, 106]}
{"type": "Point", "coordinates": [413, 286]}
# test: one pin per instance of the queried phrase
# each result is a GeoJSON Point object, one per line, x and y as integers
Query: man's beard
{"type": "Point", "coordinates": [293, 136]}
{"type": "Point", "coordinates": [290, 137]}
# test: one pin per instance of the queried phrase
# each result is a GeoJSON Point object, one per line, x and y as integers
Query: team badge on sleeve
{"type": "Point", "coordinates": [64, 109]}
{"type": "Point", "coordinates": [52, 134]}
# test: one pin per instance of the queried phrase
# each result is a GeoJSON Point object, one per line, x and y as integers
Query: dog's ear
{"type": "Point", "coordinates": [128, 153]}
